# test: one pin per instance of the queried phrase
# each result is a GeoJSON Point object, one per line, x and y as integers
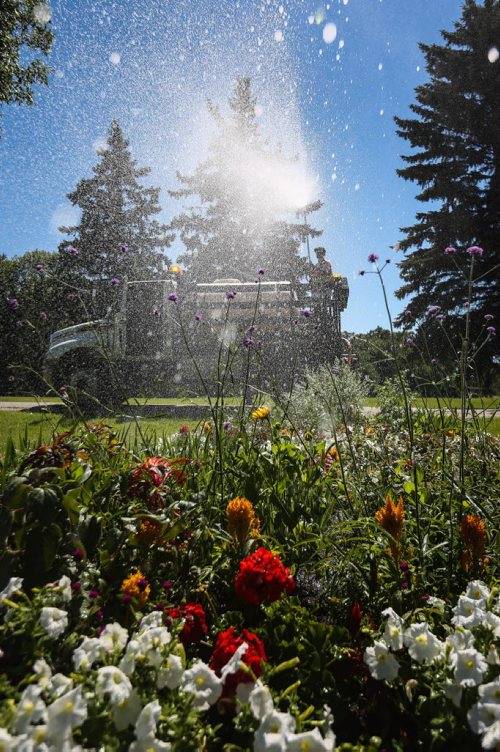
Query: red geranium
{"type": "Point", "coordinates": [195, 627]}
{"type": "Point", "coordinates": [263, 577]}
{"type": "Point", "coordinates": [225, 647]}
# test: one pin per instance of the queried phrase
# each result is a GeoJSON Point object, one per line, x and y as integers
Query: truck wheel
{"type": "Point", "coordinates": [91, 388]}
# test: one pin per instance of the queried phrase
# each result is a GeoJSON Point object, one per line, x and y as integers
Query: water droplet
{"type": "Point", "coordinates": [115, 58]}
{"type": "Point", "coordinates": [493, 54]}
{"type": "Point", "coordinates": [341, 44]}
{"type": "Point", "coordinates": [381, 112]}
{"type": "Point", "coordinates": [329, 33]}
{"type": "Point", "coordinates": [380, 66]}
{"type": "Point", "coordinates": [356, 187]}
{"type": "Point", "coordinates": [278, 36]}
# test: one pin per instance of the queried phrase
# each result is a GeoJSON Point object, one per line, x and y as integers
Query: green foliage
{"type": "Point", "coordinates": [25, 30]}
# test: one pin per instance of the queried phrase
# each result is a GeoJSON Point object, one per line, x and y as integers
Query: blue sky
{"type": "Point", "coordinates": [327, 93]}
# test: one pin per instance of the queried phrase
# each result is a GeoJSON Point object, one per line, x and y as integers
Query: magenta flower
{"type": "Point", "coordinates": [407, 313]}
{"type": "Point", "coordinates": [409, 341]}
{"type": "Point", "coordinates": [432, 310]}
{"type": "Point", "coordinates": [449, 250]}
{"type": "Point", "coordinates": [491, 331]}
{"type": "Point", "coordinates": [173, 297]}
{"type": "Point", "coordinates": [488, 317]}
{"type": "Point", "coordinates": [167, 584]}
{"type": "Point", "coordinates": [230, 295]}
{"type": "Point", "coordinates": [40, 267]}
{"type": "Point", "coordinates": [123, 248]}
{"type": "Point", "coordinates": [373, 258]}
{"type": "Point", "coordinates": [475, 250]}
{"type": "Point", "coordinates": [43, 316]}
{"type": "Point", "coordinates": [260, 272]}
{"type": "Point", "coordinates": [115, 281]}
{"type": "Point", "coordinates": [198, 316]}
{"type": "Point", "coordinates": [307, 313]}
{"type": "Point", "coordinates": [248, 341]}
{"type": "Point", "coordinates": [71, 250]}
{"type": "Point", "coordinates": [13, 303]}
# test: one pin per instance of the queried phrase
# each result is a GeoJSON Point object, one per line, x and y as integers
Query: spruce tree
{"type": "Point", "coordinates": [240, 218]}
{"type": "Point", "coordinates": [117, 236]}
{"type": "Point", "coordinates": [455, 137]}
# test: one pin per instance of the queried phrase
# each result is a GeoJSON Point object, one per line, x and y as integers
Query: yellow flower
{"type": "Point", "coordinates": [241, 519]}
{"type": "Point", "coordinates": [150, 532]}
{"type": "Point", "coordinates": [475, 537]}
{"type": "Point", "coordinates": [261, 413]}
{"type": "Point", "coordinates": [137, 587]}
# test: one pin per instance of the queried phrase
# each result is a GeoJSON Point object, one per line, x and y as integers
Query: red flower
{"type": "Point", "coordinates": [195, 627]}
{"type": "Point", "coordinates": [226, 645]}
{"type": "Point", "coordinates": [154, 475]}
{"type": "Point", "coordinates": [263, 577]}
{"type": "Point", "coordinates": [355, 620]}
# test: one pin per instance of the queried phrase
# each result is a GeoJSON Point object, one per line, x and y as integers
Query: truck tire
{"type": "Point", "coordinates": [91, 386]}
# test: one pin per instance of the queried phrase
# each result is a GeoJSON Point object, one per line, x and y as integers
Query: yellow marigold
{"type": "Point", "coordinates": [261, 413]}
{"type": "Point", "coordinates": [475, 538]}
{"type": "Point", "coordinates": [137, 587]}
{"type": "Point", "coordinates": [150, 532]}
{"type": "Point", "coordinates": [391, 518]}
{"type": "Point", "coordinates": [241, 519]}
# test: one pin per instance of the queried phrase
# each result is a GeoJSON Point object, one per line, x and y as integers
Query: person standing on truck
{"type": "Point", "coordinates": [323, 269]}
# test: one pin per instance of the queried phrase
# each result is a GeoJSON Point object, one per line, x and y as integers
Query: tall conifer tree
{"type": "Point", "coordinates": [117, 236]}
{"type": "Point", "coordinates": [240, 219]}
{"type": "Point", "coordinates": [455, 136]}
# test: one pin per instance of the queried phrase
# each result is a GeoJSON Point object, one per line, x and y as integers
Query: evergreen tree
{"type": "Point", "coordinates": [456, 162]}
{"type": "Point", "coordinates": [117, 236]}
{"type": "Point", "coordinates": [243, 196]}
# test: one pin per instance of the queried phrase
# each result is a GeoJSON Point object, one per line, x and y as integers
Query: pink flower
{"type": "Point", "coordinates": [123, 248]}
{"type": "Point", "coordinates": [475, 250]}
{"type": "Point", "coordinates": [173, 297]}
{"type": "Point", "coordinates": [71, 250]}
{"type": "Point", "coordinates": [491, 331]}
{"type": "Point", "coordinates": [449, 250]}
{"type": "Point", "coordinates": [372, 258]}
{"type": "Point", "coordinates": [115, 281]}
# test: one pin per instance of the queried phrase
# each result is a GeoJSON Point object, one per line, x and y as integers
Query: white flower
{"type": "Point", "coordinates": [64, 587]}
{"type": "Point", "coordinates": [145, 727]}
{"type": "Point", "coordinates": [170, 674]}
{"type": "Point", "coordinates": [203, 684]}
{"type": "Point", "coordinates": [233, 664]}
{"type": "Point", "coordinates": [393, 632]}
{"type": "Point", "coordinates": [42, 671]}
{"type": "Point", "coordinates": [478, 591]}
{"type": "Point", "coordinates": [154, 619]}
{"type": "Point", "coordinates": [53, 621]}
{"type": "Point", "coordinates": [490, 692]}
{"type": "Point", "coordinates": [264, 741]}
{"type": "Point", "coordinates": [312, 741]}
{"type": "Point", "coordinates": [492, 621]}
{"type": "Point", "coordinates": [132, 654]}
{"type": "Point", "coordinates": [59, 685]}
{"type": "Point", "coordinates": [453, 692]}
{"type": "Point", "coordinates": [470, 666]}
{"type": "Point", "coordinates": [493, 658]}
{"type": "Point", "coordinates": [127, 712]}
{"type": "Point", "coordinates": [482, 715]}
{"type": "Point", "coordinates": [152, 643]}
{"type": "Point", "coordinates": [150, 745]}
{"type": "Point", "coordinates": [278, 723]}
{"type": "Point", "coordinates": [423, 645]}
{"type": "Point", "coordinates": [7, 742]}
{"type": "Point", "coordinates": [438, 603]}
{"type": "Point", "coordinates": [113, 683]}
{"type": "Point", "coordinates": [460, 639]}
{"type": "Point", "coordinates": [381, 662]}
{"type": "Point", "coordinates": [13, 585]}
{"type": "Point", "coordinates": [261, 702]}
{"type": "Point", "coordinates": [90, 651]}
{"type": "Point", "coordinates": [30, 709]}
{"type": "Point", "coordinates": [468, 613]}
{"type": "Point", "coordinates": [113, 637]}
{"type": "Point", "coordinates": [34, 740]}
{"type": "Point", "coordinates": [65, 714]}
{"type": "Point", "coordinates": [491, 737]}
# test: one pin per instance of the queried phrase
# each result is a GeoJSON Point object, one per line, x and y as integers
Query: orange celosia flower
{"type": "Point", "coordinates": [391, 518]}
{"type": "Point", "coordinates": [137, 587]}
{"type": "Point", "coordinates": [241, 519]}
{"type": "Point", "coordinates": [475, 538]}
{"type": "Point", "coordinates": [261, 413]}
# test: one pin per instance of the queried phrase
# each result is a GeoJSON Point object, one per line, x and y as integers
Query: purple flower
{"type": "Point", "coordinates": [19, 324]}
{"type": "Point", "coordinates": [43, 316]}
{"type": "Point", "coordinates": [13, 303]}
{"type": "Point", "coordinates": [71, 250]}
{"type": "Point", "coordinates": [407, 313]}
{"type": "Point", "coordinates": [432, 310]}
{"type": "Point", "coordinates": [167, 584]}
{"type": "Point", "coordinates": [94, 594]}
{"type": "Point", "coordinates": [474, 250]}
{"type": "Point", "coordinates": [488, 317]}
{"type": "Point", "coordinates": [248, 342]}
{"type": "Point", "coordinates": [388, 261]}
{"type": "Point", "coordinates": [307, 313]}
{"type": "Point", "coordinates": [115, 281]}
{"type": "Point", "coordinates": [78, 554]}
{"type": "Point", "coordinates": [226, 425]}
{"type": "Point", "coordinates": [123, 248]}
{"type": "Point", "coordinates": [173, 297]}
{"type": "Point", "coordinates": [440, 316]}
{"type": "Point", "coordinates": [231, 295]}
{"type": "Point", "coordinates": [449, 250]}
{"type": "Point", "coordinates": [40, 267]}
{"type": "Point", "coordinates": [372, 258]}
{"type": "Point", "coordinates": [491, 330]}
{"type": "Point", "coordinates": [434, 362]}
{"type": "Point", "coordinates": [126, 598]}
{"type": "Point", "coordinates": [76, 585]}
{"type": "Point", "coordinates": [409, 341]}
{"type": "Point", "coordinates": [198, 316]}
{"type": "Point", "coordinates": [260, 272]}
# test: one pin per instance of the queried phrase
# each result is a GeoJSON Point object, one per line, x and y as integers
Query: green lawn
{"type": "Point", "coordinates": [480, 403]}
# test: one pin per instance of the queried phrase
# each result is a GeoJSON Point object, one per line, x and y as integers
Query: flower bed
{"type": "Point", "coordinates": [252, 588]}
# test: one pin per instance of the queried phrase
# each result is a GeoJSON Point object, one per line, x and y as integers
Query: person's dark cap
{"type": "Point", "coordinates": [320, 251]}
